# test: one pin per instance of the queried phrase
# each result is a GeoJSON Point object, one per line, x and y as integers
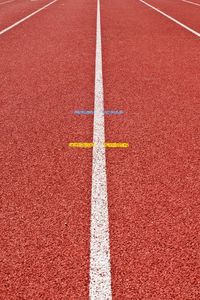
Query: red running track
{"type": "Point", "coordinates": [184, 12]}
{"type": "Point", "coordinates": [47, 71]}
{"type": "Point", "coordinates": [11, 12]}
{"type": "Point", "coordinates": [151, 71]}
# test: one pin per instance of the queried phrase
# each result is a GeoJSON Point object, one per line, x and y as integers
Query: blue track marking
{"type": "Point", "coordinates": [91, 112]}
{"type": "Point", "coordinates": [113, 112]}
{"type": "Point", "coordinates": [83, 112]}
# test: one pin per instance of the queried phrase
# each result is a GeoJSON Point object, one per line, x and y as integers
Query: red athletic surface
{"type": "Point", "coordinates": [196, 1]}
{"type": "Point", "coordinates": [14, 11]}
{"type": "Point", "coordinates": [47, 71]}
{"type": "Point", "coordinates": [151, 71]}
{"type": "Point", "coordinates": [186, 13]}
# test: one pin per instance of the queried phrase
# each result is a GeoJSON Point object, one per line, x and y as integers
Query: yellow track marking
{"type": "Point", "coordinates": [106, 145]}
{"type": "Point", "coordinates": [81, 145]}
{"type": "Point", "coordinates": [116, 145]}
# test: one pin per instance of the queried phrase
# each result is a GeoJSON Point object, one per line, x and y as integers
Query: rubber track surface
{"type": "Point", "coordinates": [151, 72]}
{"type": "Point", "coordinates": [47, 71]}
{"type": "Point", "coordinates": [151, 69]}
{"type": "Point", "coordinates": [184, 12]}
{"type": "Point", "coordinates": [14, 11]}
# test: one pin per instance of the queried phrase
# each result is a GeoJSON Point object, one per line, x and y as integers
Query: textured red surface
{"type": "Point", "coordinates": [184, 12]}
{"type": "Point", "coordinates": [47, 71]}
{"type": "Point", "coordinates": [151, 69]}
{"type": "Point", "coordinates": [14, 11]}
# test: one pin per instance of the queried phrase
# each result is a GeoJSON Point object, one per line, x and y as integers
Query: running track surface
{"type": "Point", "coordinates": [151, 71]}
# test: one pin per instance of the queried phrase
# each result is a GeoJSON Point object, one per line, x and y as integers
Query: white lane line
{"type": "Point", "coordinates": [100, 273]}
{"type": "Point", "coordinates": [1, 3]}
{"type": "Point", "coordinates": [27, 17]}
{"type": "Point", "coordinates": [172, 19]}
{"type": "Point", "coordinates": [194, 3]}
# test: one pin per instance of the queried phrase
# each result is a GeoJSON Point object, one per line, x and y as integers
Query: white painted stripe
{"type": "Point", "coordinates": [172, 19]}
{"type": "Point", "coordinates": [1, 3]}
{"type": "Point", "coordinates": [100, 273]}
{"type": "Point", "coordinates": [194, 3]}
{"type": "Point", "coordinates": [27, 17]}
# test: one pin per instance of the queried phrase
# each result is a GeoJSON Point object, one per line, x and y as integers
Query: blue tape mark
{"type": "Point", "coordinates": [113, 112]}
{"type": "Point", "coordinates": [84, 112]}
{"type": "Point", "coordinates": [91, 112]}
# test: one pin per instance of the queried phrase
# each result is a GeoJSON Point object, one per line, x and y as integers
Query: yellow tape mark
{"type": "Point", "coordinates": [116, 145]}
{"type": "Point", "coordinates": [106, 145]}
{"type": "Point", "coordinates": [81, 145]}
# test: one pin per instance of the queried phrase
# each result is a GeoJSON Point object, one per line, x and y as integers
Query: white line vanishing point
{"type": "Point", "coordinates": [100, 273]}
{"type": "Point", "coordinates": [172, 19]}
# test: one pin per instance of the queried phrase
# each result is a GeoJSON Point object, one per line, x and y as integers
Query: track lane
{"type": "Point", "coordinates": [191, 2]}
{"type": "Point", "coordinates": [151, 73]}
{"type": "Point", "coordinates": [47, 72]}
{"type": "Point", "coordinates": [6, 2]}
{"type": "Point", "coordinates": [184, 12]}
{"type": "Point", "coordinates": [195, 1]}
{"type": "Point", "coordinates": [18, 9]}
